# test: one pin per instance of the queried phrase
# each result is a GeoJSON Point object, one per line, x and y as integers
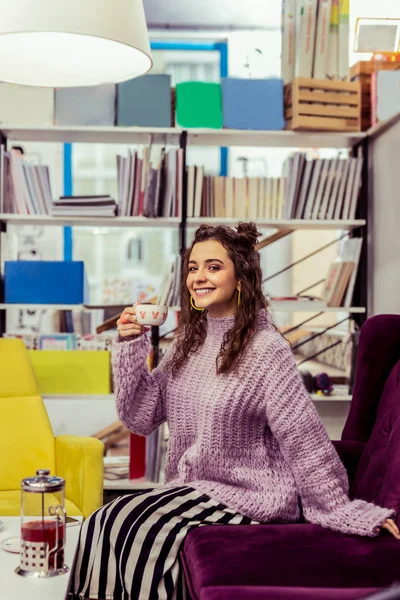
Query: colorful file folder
{"type": "Point", "coordinates": [253, 104]}
{"type": "Point", "coordinates": [72, 371]}
{"type": "Point", "coordinates": [199, 104]}
{"type": "Point", "coordinates": [145, 102]}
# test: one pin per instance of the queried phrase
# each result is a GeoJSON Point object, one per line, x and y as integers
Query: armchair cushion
{"type": "Point", "coordinates": [10, 504]}
{"type": "Point", "coordinates": [79, 460]}
{"type": "Point", "coordinates": [244, 592]}
{"type": "Point", "coordinates": [26, 440]}
{"type": "Point", "coordinates": [296, 555]}
{"type": "Point", "coordinates": [16, 373]}
{"type": "Point", "coordinates": [377, 478]}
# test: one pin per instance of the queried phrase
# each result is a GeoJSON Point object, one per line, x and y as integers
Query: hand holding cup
{"type": "Point", "coordinates": [127, 324]}
{"type": "Point", "coordinates": [135, 320]}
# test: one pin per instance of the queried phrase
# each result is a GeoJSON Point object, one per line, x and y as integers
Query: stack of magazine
{"type": "Point", "coordinates": [84, 206]}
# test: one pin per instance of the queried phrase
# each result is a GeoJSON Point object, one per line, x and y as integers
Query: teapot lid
{"type": "Point", "coordinates": [43, 482]}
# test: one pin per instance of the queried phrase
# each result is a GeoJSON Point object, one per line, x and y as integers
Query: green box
{"type": "Point", "coordinates": [199, 104]}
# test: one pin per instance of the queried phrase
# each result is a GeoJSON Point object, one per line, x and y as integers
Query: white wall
{"type": "Point", "coordinates": [384, 219]}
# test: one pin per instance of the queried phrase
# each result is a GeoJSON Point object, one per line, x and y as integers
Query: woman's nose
{"type": "Point", "coordinates": [200, 276]}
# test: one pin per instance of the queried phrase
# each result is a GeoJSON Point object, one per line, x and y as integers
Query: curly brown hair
{"type": "Point", "coordinates": [240, 243]}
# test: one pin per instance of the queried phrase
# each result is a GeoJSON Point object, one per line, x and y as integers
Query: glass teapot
{"type": "Point", "coordinates": [42, 526]}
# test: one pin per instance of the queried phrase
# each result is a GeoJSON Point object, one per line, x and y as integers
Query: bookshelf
{"type": "Point", "coordinates": [174, 222]}
{"type": "Point", "coordinates": [16, 219]}
{"type": "Point", "coordinates": [278, 306]}
{"type": "Point", "coordinates": [195, 137]}
{"type": "Point", "coordinates": [352, 142]}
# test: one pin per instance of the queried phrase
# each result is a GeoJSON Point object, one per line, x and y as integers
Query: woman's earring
{"type": "Point", "coordinates": [239, 296]}
{"type": "Point", "coordinates": [194, 306]}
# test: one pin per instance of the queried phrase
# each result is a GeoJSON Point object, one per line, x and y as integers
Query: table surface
{"type": "Point", "coordinates": [15, 587]}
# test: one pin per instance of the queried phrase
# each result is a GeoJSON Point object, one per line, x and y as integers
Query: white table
{"type": "Point", "coordinates": [15, 587]}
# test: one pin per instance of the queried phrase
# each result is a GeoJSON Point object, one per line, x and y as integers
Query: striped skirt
{"type": "Point", "coordinates": [129, 549]}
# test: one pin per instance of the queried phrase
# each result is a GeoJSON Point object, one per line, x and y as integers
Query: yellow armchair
{"type": "Point", "coordinates": [27, 442]}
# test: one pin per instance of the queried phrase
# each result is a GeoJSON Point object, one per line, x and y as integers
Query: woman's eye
{"type": "Point", "coordinates": [214, 267]}
{"type": "Point", "coordinates": [191, 269]}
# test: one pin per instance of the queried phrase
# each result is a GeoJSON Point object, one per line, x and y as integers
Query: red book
{"type": "Point", "coordinates": [137, 456]}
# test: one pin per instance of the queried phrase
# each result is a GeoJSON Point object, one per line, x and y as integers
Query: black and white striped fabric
{"type": "Point", "coordinates": [129, 549]}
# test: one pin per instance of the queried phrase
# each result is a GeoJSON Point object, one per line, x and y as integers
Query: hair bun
{"type": "Point", "coordinates": [248, 232]}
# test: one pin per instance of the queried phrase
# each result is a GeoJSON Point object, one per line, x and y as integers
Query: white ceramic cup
{"type": "Point", "coordinates": [151, 314]}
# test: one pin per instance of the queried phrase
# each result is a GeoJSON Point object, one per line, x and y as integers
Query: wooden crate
{"type": "Point", "coordinates": [322, 105]}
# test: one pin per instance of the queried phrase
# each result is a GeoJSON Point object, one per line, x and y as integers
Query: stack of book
{"type": "Point", "coordinates": [325, 188]}
{"type": "Point", "coordinates": [307, 189]}
{"type": "Point", "coordinates": [25, 188]}
{"type": "Point", "coordinates": [315, 39]}
{"type": "Point", "coordinates": [338, 288]}
{"type": "Point", "coordinates": [64, 341]}
{"type": "Point", "coordinates": [170, 293]}
{"type": "Point", "coordinates": [150, 187]}
{"type": "Point", "coordinates": [84, 206]}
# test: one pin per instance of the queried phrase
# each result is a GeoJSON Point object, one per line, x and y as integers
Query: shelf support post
{"type": "Point", "coordinates": [183, 222]}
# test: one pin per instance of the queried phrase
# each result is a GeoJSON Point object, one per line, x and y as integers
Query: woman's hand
{"type": "Point", "coordinates": [127, 324]}
{"type": "Point", "coordinates": [391, 527]}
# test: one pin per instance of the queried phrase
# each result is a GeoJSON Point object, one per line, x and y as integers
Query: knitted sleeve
{"type": "Point", "coordinates": [319, 474]}
{"type": "Point", "coordinates": [140, 395]}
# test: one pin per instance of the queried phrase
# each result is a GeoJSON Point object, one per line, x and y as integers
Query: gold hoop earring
{"type": "Point", "coordinates": [194, 306]}
{"type": "Point", "coordinates": [239, 297]}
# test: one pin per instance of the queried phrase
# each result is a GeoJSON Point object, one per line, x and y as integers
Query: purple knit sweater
{"type": "Point", "coordinates": [251, 440]}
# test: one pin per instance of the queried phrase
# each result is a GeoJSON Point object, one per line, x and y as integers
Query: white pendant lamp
{"type": "Point", "coordinates": [66, 43]}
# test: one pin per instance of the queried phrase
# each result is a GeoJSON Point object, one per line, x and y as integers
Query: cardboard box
{"type": "Point", "coordinates": [45, 282]}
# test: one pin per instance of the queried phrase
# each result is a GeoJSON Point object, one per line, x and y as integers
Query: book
{"type": "Point", "coordinates": [306, 24]}
{"type": "Point", "coordinates": [288, 40]}
{"type": "Point", "coordinates": [346, 269]}
{"type": "Point", "coordinates": [335, 282]}
{"type": "Point", "coordinates": [320, 70]}
{"type": "Point", "coordinates": [333, 44]}
{"type": "Point", "coordinates": [350, 251]}
{"type": "Point", "coordinates": [344, 39]}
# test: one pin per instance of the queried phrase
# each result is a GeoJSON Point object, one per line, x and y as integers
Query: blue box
{"type": "Point", "coordinates": [253, 104]}
{"type": "Point", "coordinates": [45, 282]}
{"type": "Point", "coordinates": [145, 102]}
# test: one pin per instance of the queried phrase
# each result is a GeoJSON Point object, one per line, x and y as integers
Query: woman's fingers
{"type": "Point", "coordinates": [128, 315]}
{"type": "Point", "coordinates": [392, 528]}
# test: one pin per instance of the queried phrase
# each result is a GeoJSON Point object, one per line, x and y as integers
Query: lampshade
{"type": "Point", "coordinates": [67, 43]}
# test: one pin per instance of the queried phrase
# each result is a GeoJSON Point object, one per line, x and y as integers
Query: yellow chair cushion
{"type": "Point", "coordinates": [26, 440]}
{"type": "Point", "coordinates": [17, 377]}
{"type": "Point", "coordinates": [10, 504]}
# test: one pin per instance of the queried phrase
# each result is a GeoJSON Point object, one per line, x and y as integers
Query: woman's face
{"type": "Point", "coordinates": [211, 279]}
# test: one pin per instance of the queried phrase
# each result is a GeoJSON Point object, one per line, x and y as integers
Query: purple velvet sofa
{"type": "Point", "coordinates": [303, 561]}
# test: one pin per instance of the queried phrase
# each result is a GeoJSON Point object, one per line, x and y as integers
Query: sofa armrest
{"type": "Point", "coordinates": [350, 454]}
{"type": "Point", "coordinates": [79, 460]}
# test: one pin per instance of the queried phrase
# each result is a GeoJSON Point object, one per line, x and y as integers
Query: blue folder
{"type": "Point", "coordinates": [45, 282]}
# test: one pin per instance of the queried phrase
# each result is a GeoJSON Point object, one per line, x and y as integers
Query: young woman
{"type": "Point", "coordinates": [246, 443]}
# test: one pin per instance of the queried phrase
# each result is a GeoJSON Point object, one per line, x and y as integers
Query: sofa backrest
{"type": "Point", "coordinates": [378, 352]}
{"type": "Point", "coordinates": [377, 477]}
{"type": "Point", "coordinates": [26, 440]}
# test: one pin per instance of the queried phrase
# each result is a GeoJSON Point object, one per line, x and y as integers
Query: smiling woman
{"type": "Point", "coordinates": [246, 444]}
{"type": "Point", "coordinates": [223, 279]}
{"type": "Point", "coordinates": [211, 281]}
